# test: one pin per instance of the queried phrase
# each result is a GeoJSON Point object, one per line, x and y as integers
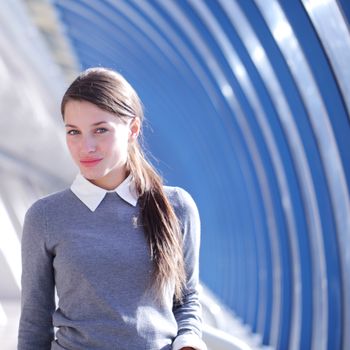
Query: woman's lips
{"type": "Point", "coordinates": [90, 162]}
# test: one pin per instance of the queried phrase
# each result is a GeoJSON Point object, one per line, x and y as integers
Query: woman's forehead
{"type": "Point", "coordinates": [86, 113]}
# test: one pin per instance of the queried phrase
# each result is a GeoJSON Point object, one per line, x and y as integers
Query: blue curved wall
{"type": "Point", "coordinates": [248, 107]}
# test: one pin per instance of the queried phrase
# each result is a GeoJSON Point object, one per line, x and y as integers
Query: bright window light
{"type": "Point", "coordinates": [10, 246]}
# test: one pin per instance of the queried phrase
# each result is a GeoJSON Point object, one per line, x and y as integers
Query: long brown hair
{"type": "Point", "coordinates": [111, 92]}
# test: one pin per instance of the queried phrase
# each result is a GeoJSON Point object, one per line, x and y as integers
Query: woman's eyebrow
{"type": "Point", "coordinates": [74, 126]}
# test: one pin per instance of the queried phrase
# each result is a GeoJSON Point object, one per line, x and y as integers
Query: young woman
{"type": "Point", "coordinates": [121, 249]}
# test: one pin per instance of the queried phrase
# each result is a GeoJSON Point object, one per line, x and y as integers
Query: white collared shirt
{"type": "Point", "coordinates": [92, 195]}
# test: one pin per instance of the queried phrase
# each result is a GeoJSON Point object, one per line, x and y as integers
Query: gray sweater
{"type": "Point", "coordinates": [100, 265]}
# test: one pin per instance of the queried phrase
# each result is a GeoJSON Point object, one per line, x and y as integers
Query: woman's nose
{"type": "Point", "coordinates": [88, 144]}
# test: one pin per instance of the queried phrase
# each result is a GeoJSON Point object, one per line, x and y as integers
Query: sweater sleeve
{"type": "Point", "coordinates": [38, 297]}
{"type": "Point", "coordinates": [188, 313]}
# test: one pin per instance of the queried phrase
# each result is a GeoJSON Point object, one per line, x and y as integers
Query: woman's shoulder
{"type": "Point", "coordinates": [180, 199]}
{"type": "Point", "coordinates": [56, 199]}
{"type": "Point", "coordinates": [43, 208]}
{"type": "Point", "coordinates": [186, 211]}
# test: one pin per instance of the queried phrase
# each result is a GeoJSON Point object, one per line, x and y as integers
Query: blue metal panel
{"type": "Point", "coordinates": [327, 86]}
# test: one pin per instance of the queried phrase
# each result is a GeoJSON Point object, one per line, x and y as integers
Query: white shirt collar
{"type": "Point", "coordinates": [92, 195]}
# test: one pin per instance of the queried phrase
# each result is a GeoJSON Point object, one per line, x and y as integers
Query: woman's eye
{"type": "Point", "coordinates": [72, 132]}
{"type": "Point", "coordinates": [101, 130]}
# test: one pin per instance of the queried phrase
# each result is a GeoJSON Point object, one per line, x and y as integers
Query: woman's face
{"type": "Point", "coordinates": [98, 142]}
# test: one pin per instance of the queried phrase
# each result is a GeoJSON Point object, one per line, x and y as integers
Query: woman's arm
{"type": "Point", "coordinates": [188, 312]}
{"type": "Point", "coordinates": [38, 298]}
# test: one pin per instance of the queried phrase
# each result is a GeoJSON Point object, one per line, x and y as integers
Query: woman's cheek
{"type": "Point", "coordinates": [72, 148]}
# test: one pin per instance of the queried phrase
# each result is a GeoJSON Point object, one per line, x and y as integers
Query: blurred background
{"type": "Point", "coordinates": [247, 105]}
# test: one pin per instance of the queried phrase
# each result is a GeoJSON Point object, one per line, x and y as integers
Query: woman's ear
{"type": "Point", "coordinates": [134, 131]}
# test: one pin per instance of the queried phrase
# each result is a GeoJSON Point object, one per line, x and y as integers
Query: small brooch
{"type": "Point", "coordinates": [134, 221]}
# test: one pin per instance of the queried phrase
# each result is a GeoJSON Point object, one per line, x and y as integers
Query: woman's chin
{"type": "Point", "coordinates": [91, 175]}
